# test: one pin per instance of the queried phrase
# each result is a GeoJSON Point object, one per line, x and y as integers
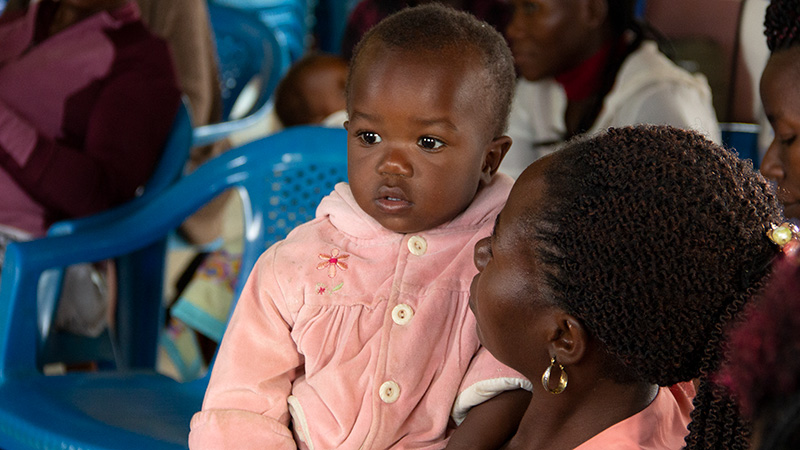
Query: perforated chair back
{"type": "Point", "coordinates": [251, 62]}
{"type": "Point", "coordinates": [281, 176]}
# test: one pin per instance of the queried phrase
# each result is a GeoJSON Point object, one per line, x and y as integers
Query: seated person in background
{"type": "Point", "coordinates": [354, 331]}
{"type": "Point", "coordinates": [87, 99]}
{"type": "Point", "coordinates": [367, 13]}
{"type": "Point", "coordinates": [780, 94]}
{"type": "Point", "coordinates": [312, 92]}
{"type": "Point", "coordinates": [587, 65]}
{"type": "Point", "coordinates": [610, 275]}
{"type": "Point", "coordinates": [185, 25]}
{"type": "Point", "coordinates": [762, 369]}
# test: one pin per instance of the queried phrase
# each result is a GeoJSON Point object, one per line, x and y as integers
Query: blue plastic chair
{"type": "Point", "coordinates": [292, 20]}
{"type": "Point", "coordinates": [281, 179]}
{"type": "Point", "coordinates": [248, 53]}
{"type": "Point", "coordinates": [742, 138]}
{"type": "Point", "coordinates": [145, 266]}
{"type": "Point", "coordinates": [331, 21]}
{"type": "Point", "coordinates": [640, 8]}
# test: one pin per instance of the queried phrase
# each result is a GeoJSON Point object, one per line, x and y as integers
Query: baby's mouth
{"type": "Point", "coordinates": [392, 199]}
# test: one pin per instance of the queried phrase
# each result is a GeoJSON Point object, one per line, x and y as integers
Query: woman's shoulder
{"type": "Point", "coordinates": [648, 65]}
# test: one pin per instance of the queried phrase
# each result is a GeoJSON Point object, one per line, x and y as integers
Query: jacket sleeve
{"type": "Point", "coordinates": [126, 131]}
{"type": "Point", "coordinates": [486, 377]}
{"type": "Point", "coordinates": [246, 402]}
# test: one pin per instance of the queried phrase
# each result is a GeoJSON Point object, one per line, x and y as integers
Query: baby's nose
{"type": "Point", "coordinates": [396, 162]}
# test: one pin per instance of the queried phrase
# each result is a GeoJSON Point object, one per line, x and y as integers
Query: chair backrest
{"type": "Point", "coordinates": [146, 264]}
{"type": "Point", "coordinates": [291, 19]}
{"type": "Point", "coordinates": [169, 169]}
{"type": "Point", "coordinates": [281, 179]}
{"type": "Point", "coordinates": [742, 138]}
{"type": "Point", "coordinates": [251, 62]}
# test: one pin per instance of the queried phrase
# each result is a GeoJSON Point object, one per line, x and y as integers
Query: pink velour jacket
{"type": "Point", "coordinates": [362, 338]}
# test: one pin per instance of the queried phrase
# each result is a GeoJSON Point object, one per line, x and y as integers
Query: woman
{"type": "Point", "coordinates": [611, 274]}
{"type": "Point", "coordinates": [587, 65]}
{"type": "Point", "coordinates": [87, 99]}
{"type": "Point", "coordinates": [780, 94]}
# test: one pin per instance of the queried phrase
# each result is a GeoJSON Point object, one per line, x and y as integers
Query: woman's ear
{"type": "Point", "coordinates": [493, 157]}
{"type": "Point", "coordinates": [568, 340]}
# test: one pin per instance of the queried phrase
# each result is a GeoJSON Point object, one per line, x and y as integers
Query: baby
{"type": "Point", "coordinates": [356, 328]}
{"type": "Point", "coordinates": [312, 92]}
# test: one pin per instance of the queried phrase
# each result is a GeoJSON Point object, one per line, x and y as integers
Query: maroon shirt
{"type": "Point", "coordinates": [84, 114]}
{"type": "Point", "coordinates": [368, 13]}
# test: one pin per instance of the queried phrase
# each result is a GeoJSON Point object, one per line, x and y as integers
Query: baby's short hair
{"type": "Point", "coordinates": [433, 27]}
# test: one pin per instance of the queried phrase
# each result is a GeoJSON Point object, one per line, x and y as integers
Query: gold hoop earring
{"type": "Point", "coordinates": [562, 380]}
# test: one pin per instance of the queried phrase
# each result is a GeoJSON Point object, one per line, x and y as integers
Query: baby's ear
{"type": "Point", "coordinates": [493, 157]}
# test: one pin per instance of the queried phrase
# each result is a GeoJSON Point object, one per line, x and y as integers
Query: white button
{"type": "Point", "coordinates": [402, 314]}
{"type": "Point", "coordinates": [389, 392]}
{"type": "Point", "coordinates": [417, 245]}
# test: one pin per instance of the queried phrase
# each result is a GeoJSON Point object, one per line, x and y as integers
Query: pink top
{"type": "Point", "coordinates": [362, 336]}
{"type": "Point", "coordinates": [660, 426]}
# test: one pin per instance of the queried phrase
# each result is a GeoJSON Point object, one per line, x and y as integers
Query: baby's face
{"type": "Point", "coordinates": [418, 136]}
{"type": "Point", "coordinates": [780, 94]}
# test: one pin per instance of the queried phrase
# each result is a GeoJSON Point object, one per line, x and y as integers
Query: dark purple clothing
{"type": "Point", "coordinates": [368, 13]}
{"type": "Point", "coordinates": [84, 114]}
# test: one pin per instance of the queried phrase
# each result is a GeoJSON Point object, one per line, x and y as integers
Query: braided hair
{"type": "Point", "coordinates": [654, 237]}
{"type": "Point", "coordinates": [781, 24]}
{"type": "Point", "coordinates": [434, 27]}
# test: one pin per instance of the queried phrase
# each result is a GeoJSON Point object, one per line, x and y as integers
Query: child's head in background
{"type": "Point", "coordinates": [312, 89]}
{"type": "Point", "coordinates": [428, 97]}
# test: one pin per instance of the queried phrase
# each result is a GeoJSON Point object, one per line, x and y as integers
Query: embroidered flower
{"type": "Point", "coordinates": [321, 289]}
{"type": "Point", "coordinates": [332, 262]}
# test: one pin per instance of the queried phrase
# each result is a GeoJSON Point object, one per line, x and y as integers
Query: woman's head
{"type": "Point", "coordinates": [428, 96]}
{"type": "Point", "coordinates": [780, 94]}
{"type": "Point", "coordinates": [650, 237]}
{"type": "Point", "coordinates": [550, 37]}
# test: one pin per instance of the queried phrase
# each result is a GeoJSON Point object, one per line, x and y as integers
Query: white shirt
{"type": "Point", "coordinates": [649, 89]}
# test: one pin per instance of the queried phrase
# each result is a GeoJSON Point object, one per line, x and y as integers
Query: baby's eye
{"type": "Point", "coordinates": [370, 138]}
{"type": "Point", "coordinates": [429, 143]}
{"type": "Point", "coordinates": [788, 141]}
